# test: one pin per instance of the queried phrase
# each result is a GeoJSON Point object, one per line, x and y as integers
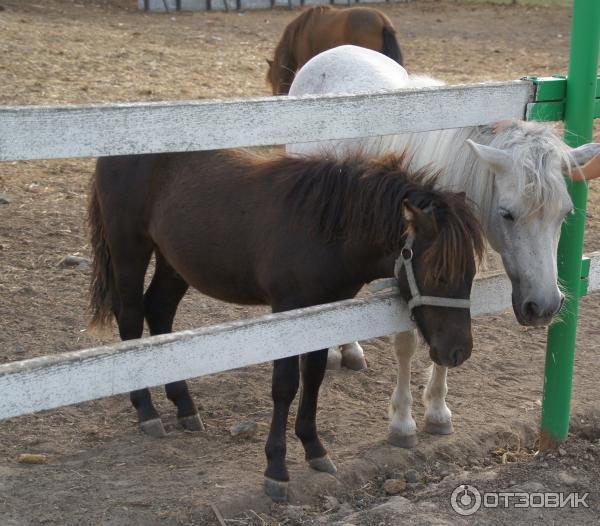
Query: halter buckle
{"type": "Point", "coordinates": [407, 254]}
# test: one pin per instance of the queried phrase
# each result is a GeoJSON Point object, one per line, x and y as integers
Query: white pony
{"type": "Point", "coordinates": [511, 171]}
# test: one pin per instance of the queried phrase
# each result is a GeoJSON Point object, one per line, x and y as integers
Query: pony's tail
{"type": "Point", "coordinates": [390, 45]}
{"type": "Point", "coordinates": [102, 282]}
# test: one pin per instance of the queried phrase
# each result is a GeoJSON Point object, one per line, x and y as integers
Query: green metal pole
{"type": "Point", "coordinates": [579, 115]}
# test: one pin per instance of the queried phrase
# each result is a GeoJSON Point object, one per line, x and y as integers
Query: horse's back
{"type": "Point", "coordinates": [364, 27]}
{"type": "Point", "coordinates": [359, 26]}
{"type": "Point", "coordinates": [346, 69]}
{"type": "Point", "coordinates": [198, 209]}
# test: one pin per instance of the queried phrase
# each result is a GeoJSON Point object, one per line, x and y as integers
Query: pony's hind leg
{"type": "Point", "coordinates": [353, 357]}
{"type": "Point", "coordinates": [165, 292]}
{"type": "Point", "coordinates": [438, 417]}
{"type": "Point", "coordinates": [187, 413]}
{"type": "Point", "coordinates": [129, 262]}
{"type": "Point", "coordinates": [403, 430]}
{"type": "Point", "coordinates": [313, 370]}
{"type": "Point", "coordinates": [334, 358]}
{"type": "Point", "coordinates": [150, 422]}
{"type": "Point", "coordinates": [286, 378]}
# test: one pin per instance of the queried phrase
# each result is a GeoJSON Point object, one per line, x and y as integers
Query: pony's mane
{"type": "Point", "coordinates": [536, 150]}
{"type": "Point", "coordinates": [283, 59]}
{"type": "Point", "coordinates": [538, 153]}
{"type": "Point", "coordinates": [355, 199]}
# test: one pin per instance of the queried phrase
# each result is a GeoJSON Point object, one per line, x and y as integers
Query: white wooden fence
{"type": "Point", "coordinates": [162, 6]}
{"type": "Point", "coordinates": [28, 133]}
{"type": "Point", "coordinates": [45, 132]}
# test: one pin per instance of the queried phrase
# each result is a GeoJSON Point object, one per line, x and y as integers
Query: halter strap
{"type": "Point", "coordinates": [405, 261]}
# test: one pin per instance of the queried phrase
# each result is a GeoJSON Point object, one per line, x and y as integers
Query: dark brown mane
{"type": "Point", "coordinates": [357, 198]}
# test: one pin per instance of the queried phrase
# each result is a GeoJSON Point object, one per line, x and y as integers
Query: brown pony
{"type": "Point", "coordinates": [324, 27]}
{"type": "Point", "coordinates": [288, 232]}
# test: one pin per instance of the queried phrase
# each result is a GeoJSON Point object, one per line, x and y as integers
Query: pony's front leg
{"type": "Point", "coordinates": [313, 371]}
{"type": "Point", "coordinates": [286, 378]}
{"type": "Point", "coordinates": [403, 430]}
{"type": "Point", "coordinates": [438, 418]}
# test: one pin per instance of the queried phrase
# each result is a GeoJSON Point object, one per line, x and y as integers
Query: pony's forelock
{"type": "Point", "coordinates": [445, 257]}
{"type": "Point", "coordinates": [538, 155]}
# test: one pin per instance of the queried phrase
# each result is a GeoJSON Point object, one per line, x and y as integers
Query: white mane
{"type": "Point", "coordinates": [537, 153]}
{"type": "Point", "coordinates": [535, 149]}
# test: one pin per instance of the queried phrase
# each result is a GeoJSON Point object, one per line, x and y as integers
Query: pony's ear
{"type": "Point", "coordinates": [270, 62]}
{"type": "Point", "coordinates": [498, 160]}
{"type": "Point", "coordinates": [580, 156]}
{"type": "Point", "coordinates": [414, 217]}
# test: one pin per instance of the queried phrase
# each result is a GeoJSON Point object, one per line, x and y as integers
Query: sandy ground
{"type": "Point", "coordinates": [101, 469]}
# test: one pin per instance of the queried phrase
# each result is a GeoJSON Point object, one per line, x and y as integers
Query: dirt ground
{"type": "Point", "coordinates": [101, 469]}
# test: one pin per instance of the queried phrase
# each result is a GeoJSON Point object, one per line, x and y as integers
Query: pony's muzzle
{"type": "Point", "coordinates": [535, 313]}
{"type": "Point", "coordinates": [453, 357]}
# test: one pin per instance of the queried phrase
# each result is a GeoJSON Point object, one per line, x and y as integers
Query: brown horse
{"type": "Point", "coordinates": [288, 232]}
{"type": "Point", "coordinates": [324, 27]}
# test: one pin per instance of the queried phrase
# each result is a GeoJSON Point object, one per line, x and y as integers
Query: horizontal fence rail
{"type": "Point", "coordinates": [50, 132]}
{"type": "Point", "coordinates": [162, 6]}
{"type": "Point", "coordinates": [40, 383]}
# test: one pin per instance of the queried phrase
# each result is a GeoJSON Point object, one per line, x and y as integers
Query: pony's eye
{"type": "Point", "coordinates": [506, 215]}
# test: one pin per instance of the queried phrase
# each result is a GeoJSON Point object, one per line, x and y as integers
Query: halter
{"type": "Point", "coordinates": [405, 261]}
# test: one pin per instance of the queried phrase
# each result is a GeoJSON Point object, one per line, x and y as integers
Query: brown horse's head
{"type": "Point", "coordinates": [272, 79]}
{"type": "Point", "coordinates": [447, 237]}
{"type": "Point", "coordinates": [282, 69]}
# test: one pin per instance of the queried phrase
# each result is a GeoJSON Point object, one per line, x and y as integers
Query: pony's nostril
{"type": "Point", "coordinates": [531, 310]}
{"type": "Point", "coordinates": [449, 357]}
{"type": "Point", "coordinates": [457, 356]}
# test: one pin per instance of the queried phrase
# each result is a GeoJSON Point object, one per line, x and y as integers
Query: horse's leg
{"type": "Point", "coordinates": [129, 261]}
{"type": "Point", "coordinates": [353, 356]}
{"type": "Point", "coordinates": [438, 417]}
{"type": "Point", "coordinates": [187, 413]}
{"type": "Point", "coordinates": [286, 378]}
{"type": "Point", "coordinates": [313, 370]}
{"type": "Point", "coordinates": [334, 358]}
{"type": "Point", "coordinates": [403, 430]}
{"type": "Point", "coordinates": [160, 305]}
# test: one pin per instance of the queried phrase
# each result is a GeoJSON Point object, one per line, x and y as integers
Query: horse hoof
{"type": "Point", "coordinates": [323, 464]}
{"type": "Point", "coordinates": [439, 428]}
{"type": "Point", "coordinates": [154, 428]}
{"type": "Point", "coordinates": [277, 490]}
{"type": "Point", "coordinates": [334, 359]}
{"type": "Point", "coordinates": [403, 441]}
{"type": "Point", "coordinates": [354, 363]}
{"type": "Point", "coordinates": [191, 423]}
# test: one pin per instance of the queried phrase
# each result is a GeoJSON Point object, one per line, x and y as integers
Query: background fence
{"type": "Point", "coordinates": [238, 5]}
